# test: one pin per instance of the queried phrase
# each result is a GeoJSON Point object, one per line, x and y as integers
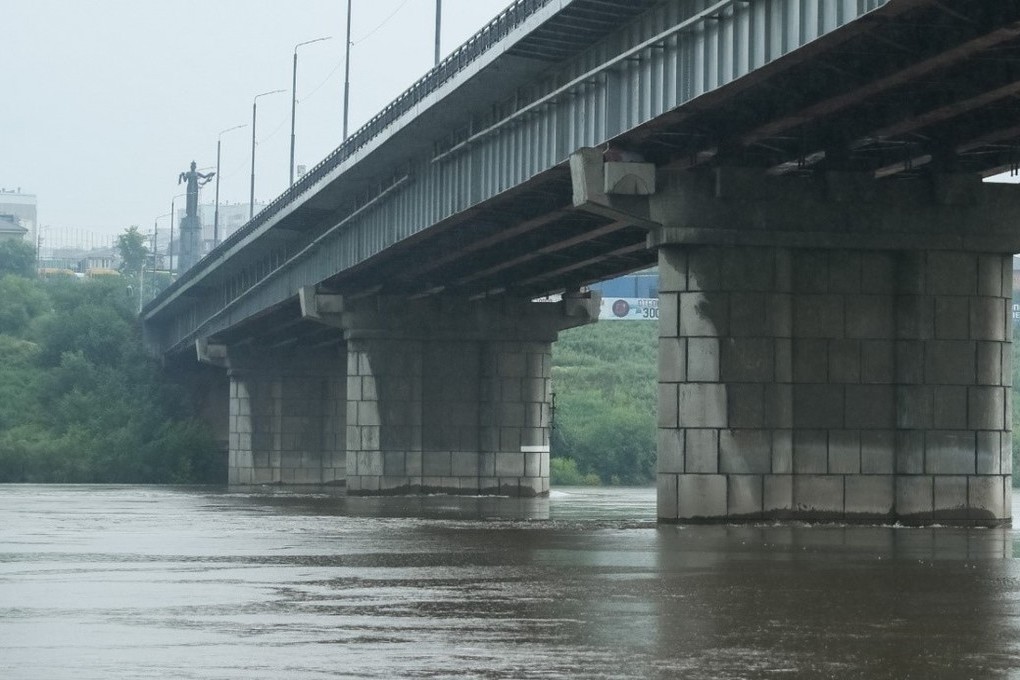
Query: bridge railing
{"type": "Point", "coordinates": [457, 61]}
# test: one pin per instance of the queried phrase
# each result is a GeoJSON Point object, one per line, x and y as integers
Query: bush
{"type": "Point", "coordinates": [564, 472]}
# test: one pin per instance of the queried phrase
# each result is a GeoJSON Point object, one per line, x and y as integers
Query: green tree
{"type": "Point", "coordinates": [80, 401]}
{"type": "Point", "coordinates": [17, 257]}
{"type": "Point", "coordinates": [21, 300]}
{"type": "Point", "coordinates": [133, 251]}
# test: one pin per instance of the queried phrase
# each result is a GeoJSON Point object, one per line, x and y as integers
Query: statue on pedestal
{"type": "Point", "coordinates": [191, 225]}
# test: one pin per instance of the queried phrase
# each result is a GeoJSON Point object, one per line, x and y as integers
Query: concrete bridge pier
{"type": "Point", "coordinates": [834, 350]}
{"type": "Point", "coordinates": [286, 415]}
{"type": "Point", "coordinates": [448, 395]}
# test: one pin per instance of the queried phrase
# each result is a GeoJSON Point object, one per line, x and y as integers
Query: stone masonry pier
{"type": "Point", "coordinates": [448, 395]}
{"type": "Point", "coordinates": [286, 415]}
{"type": "Point", "coordinates": [836, 349]}
{"type": "Point", "coordinates": [429, 396]}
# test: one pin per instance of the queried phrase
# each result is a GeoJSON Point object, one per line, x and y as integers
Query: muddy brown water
{"type": "Point", "coordinates": [170, 582]}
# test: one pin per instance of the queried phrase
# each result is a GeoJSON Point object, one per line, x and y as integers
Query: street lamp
{"type": "Point", "coordinates": [254, 104]}
{"type": "Point", "coordinates": [347, 70]}
{"type": "Point", "coordinates": [439, 26]}
{"type": "Point", "coordinates": [216, 210]}
{"type": "Point", "coordinates": [155, 243]}
{"type": "Point", "coordinates": [170, 265]}
{"type": "Point", "coordinates": [38, 247]}
{"type": "Point", "coordinates": [293, 102]}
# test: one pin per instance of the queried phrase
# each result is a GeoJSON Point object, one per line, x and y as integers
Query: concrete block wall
{"type": "Point", "coordinates": [448, 416]}
{"type": "Point", "coordinates": [286, 427]}
{"type": "Point", "coordinates": [954, 363]}
{"type": "Point", "coordinates": [384, 415]}
{"type": "Point", "coordinates": [516, 417]}
{"type": "Point", "coordinates": [833, 384]}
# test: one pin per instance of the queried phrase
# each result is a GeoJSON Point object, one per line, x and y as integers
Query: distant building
{"type": "Point", "coordinates": [22, 207]}
{"type": "Point", "coordinates": [633, 297]}
{"type": "Point", "coordinates": [643, 284]}
{"type": "Point", "coordinates": [104, 259]}
{"type": "Point", "coordinates": [10, 228]}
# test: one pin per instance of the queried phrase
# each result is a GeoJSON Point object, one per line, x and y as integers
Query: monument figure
{"type": "Point", "coordinates": [191, 225]}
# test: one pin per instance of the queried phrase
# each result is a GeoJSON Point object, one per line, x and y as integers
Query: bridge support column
{"type": "Point", "coordinates": [827, 382]}
{"type": "Point", "coordinates": [287, 419]}
{"type": "Point", "coordinates": [452, 396]}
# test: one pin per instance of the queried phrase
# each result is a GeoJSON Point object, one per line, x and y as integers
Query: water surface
{"type": "Point", "coordinates": [161, 582]}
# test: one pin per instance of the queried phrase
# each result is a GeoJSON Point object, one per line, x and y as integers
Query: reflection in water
{"type": "Point", "coordinates": [144, 582]}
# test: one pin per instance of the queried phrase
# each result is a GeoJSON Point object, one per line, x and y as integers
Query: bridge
{"type": "Point", "coordinates": [835, 276]}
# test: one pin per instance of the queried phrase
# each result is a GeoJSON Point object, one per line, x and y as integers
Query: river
{"type": "Point", "coordinates": [110, 582]}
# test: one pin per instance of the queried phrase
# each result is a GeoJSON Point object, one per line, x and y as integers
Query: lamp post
{"type": "Point", "coordinates": [141, 276]}
{"type": "Point", "coordinates": [254, 105]}
{"type": "Point", "coordinates": [155, 255]}
{"type": "Point", "coordinates": [216, 210]}
{"type": "Point", "coordinates": [170, 252]}
{"type": "Point", "coordinates": [347, 69]}
{"type": "Point", "coordinates": [439, 24]}
{"type": "Point", "coordinates": [155, 243]}
{"type": "Point", "coordinates": [293, 102]}
{"type": "Point", "coordinates": [38, 248]}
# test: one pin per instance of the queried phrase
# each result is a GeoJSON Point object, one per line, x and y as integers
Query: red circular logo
{"type": "Point", "coordinates": [621, 308]}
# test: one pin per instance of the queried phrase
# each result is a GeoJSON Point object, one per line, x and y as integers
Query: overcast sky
{"type": "Point", "coordinates": [105, 102]}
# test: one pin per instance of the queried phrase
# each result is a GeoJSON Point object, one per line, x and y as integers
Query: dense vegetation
{"type": "Point", "coordinates": [605, 377]}
{"type": "Point", "coordinates": [79, 399]}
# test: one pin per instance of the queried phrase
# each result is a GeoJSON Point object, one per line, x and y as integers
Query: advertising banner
{"type": "Point", "coordinates": [629, 309]}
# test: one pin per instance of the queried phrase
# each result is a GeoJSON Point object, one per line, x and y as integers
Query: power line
{"type": "Point", "coordinates": [323, 83]}
{"type": "Point", "coordinates": [384, 22]}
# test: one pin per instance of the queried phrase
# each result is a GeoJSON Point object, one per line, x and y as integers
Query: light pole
{"type": "Point", "coordinates": [141, 276]}
{"type": "Point", "coordinates": [170, 252]}
{"type": "Point", "coordinates": [293, 102]}
{"type": "Point", "coordinates": [216, 210]}
{"type": "Point", "coordinates": [155, 243]}
{"type": "Point", "coordinates": [439, 24]}
{"type": "Point", "coordinates": [254, 104]}
{"type": "Point", "coordinates": [38, 248]}
{"type": "Point", "coordinates": [347, 69]}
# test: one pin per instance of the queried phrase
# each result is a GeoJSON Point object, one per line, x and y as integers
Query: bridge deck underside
{"type": "Point", "coordinates": [914, 89]}
{"type": "Point", "coordinates": [548, 241]}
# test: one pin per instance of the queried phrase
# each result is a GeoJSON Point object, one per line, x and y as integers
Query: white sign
{"type": "Point", "coordinates": [629, 309]}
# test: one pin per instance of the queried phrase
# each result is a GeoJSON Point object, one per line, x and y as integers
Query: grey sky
{"type": "Point", "coordinates": [106, 101]}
